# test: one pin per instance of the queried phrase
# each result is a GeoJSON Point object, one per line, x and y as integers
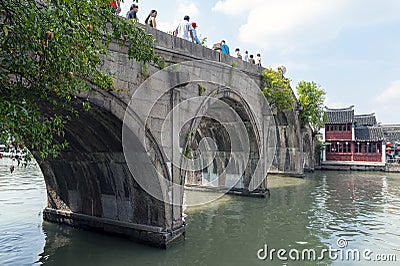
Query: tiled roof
{"type": "Point", "coordinates": [369, 134]}
{"type": "Point", "coordinates": [340, 116]}
{"type": "Point", "coordinates": [391, 133]}
{"type": "Point", "coordinates": [365, 120]}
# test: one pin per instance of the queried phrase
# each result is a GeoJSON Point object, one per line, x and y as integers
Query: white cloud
{"type": "Point", "coordinates": [187, 8]}
{"type": "Point", "coordinates": [286, 25]}
{"type": "Point", "coordinates": [235, 7]}
{"type": "Point", "coordinates": [167, 26]}
{"type": "Point", "coordinates": [391, 94]}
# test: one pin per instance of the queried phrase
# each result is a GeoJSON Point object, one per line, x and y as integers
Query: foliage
{"type": "Point", "coordinates": [188, 152]}
{"type": "Point", "coordinates": [201, 89]}
{"type": "Point", "coordinates": [203, 41]}
{"type": "Point", "coordinates": [50, 51]}
{"type": "Point", "coordinates": [311, 98]}
{"type": "Point", "coordinates": [277, 90]}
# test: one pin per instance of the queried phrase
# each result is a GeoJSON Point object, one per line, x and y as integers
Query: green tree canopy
{"type": "Point", "coordinates": [311, 98]}
{"type": "Point", "coordinates": [50, 51]}
{"type": "Point", "coordinates": [277, 90]}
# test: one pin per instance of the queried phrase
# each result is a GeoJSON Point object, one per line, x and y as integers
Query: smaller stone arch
{"type": "Point", "coordinates": [209, 128]}
{"type": "Point", "coordinates": [308, 152]}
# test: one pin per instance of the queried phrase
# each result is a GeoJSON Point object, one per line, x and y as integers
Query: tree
{"type": "Point", "coordinates": [311, 98]}
{"type": "Point", "coordinates": [50, 51]}
{"type": "Point", "coordinates": [277, 90]}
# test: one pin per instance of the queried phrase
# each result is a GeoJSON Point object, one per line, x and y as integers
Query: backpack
{"type": "Point", "coordinates": [217, 46]}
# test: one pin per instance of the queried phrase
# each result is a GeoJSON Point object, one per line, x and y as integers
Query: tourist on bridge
{"type": "Point", "coordinates": [224, 48]}
{"type": "Point", "coordinates": [151, 19]}
{"type": "Point", "coordinates": [258, 60]}
{"type": "Point", "coordinates": [196, 39]}
{"type": "Point", "coordinates": [246, 56]}
{"type": "Point", "coordinates": [251, 59]}
{"type": "Point", "coordinates": [185, 30]}
{"type": "Point", "coordinates": [132, 14]}
{"type": "Point", "coordinates": [237, 53]}
{"type": "Point", "coordinates": [117, 6]}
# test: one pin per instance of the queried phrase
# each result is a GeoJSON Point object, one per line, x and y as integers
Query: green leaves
{"type": "Point", "coordinates": [311, 98]}
{"type": "Point", "coordinates": [277, 90]}
{"type": "Point", "coordinates": [50, 52]}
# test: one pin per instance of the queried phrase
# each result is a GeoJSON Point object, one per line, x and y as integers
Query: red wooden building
{"type": "Point", "coordinates": [353, 138]}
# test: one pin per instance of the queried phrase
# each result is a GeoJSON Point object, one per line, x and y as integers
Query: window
{"type": "Point", "coordinates": [340, 147]}
{"type": "Point", "coordinates": [340, 128]}
{"type": "Point", "coordinates": [369, 145]}
{"type": "Point", "coordinates": [348, 127]}
{"type": "Point", "coordinates": [333, 147]}
{"type": "Point", "coordinates": [349, 148]}
{"type": "Point", "coordinates": [327, 128]}
{"type": "Point", "coordinates": [336, 128]}
{"type": "Point", "coordinates": [357, 148]}
{"type": "Point", "coordinates": [363, 148]}
{"type": "Point", "coordinates": [374, 147]}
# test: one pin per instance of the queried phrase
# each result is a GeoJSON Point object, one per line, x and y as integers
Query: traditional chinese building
{"type": "Point", "coordinates": [392, 136]}
{"type": "Point", "coordinates": [353, 138]}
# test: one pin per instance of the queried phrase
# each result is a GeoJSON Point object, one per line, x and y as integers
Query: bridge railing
{"type": "Point", "coordinates": [167, 43]}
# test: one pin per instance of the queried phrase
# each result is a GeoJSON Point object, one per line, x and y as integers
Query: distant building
{"type": "Point", "coordinates": [353, 138]}
{"type": "Point", "coordinates": [392, 136]}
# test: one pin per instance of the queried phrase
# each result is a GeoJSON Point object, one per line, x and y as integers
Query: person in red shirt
{"type": "Point", "coordinates": [117, 5]}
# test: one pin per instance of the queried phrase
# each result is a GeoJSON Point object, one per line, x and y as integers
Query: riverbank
{"type": "Point", "coordinates": [357, 166]}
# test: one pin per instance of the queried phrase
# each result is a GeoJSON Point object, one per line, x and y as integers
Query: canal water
{"type": "Point", "coordinates": [338, 210]}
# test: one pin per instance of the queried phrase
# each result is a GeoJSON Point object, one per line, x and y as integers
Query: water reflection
{"type": "Point", "coordinates": [361, 207]}
{"type": "Point", "coordinates": [314, 212]}
{"type": "Point", "coordinates": [22, 197]}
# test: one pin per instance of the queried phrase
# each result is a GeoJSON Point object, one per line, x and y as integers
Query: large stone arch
{"type": "Point", "coordinates": [89, 185]}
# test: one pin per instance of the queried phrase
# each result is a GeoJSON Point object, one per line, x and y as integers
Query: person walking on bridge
{"type": "Point", "coordinates": [132, 14]}
{"type": "Point", "coordinates": [196, 39]}
{"type": "Point", "coordinates": [184, 30]}
{"type": "Point", "coordinates": [151, 19]}
{"type": "Point", "coordinates": [224, 48]}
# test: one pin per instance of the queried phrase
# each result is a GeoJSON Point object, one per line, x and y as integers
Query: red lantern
{"type": "Point", "coordinates": [398, 148]}
{"type": "Point", "coordinates": [388, 149]}
{"type": "Point", "coordinates": [388, 144]}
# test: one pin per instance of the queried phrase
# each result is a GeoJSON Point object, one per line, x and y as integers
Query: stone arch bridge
{"type": "Point", "coordinates": [118, 175]}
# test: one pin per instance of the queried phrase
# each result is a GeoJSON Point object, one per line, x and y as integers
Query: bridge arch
{"type": "Point", "coordinates": [210, 128]}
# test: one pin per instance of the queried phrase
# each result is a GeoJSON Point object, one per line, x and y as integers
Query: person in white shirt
{"type": "Point", "coordinates": [184, 30]}
{"type": "Point", "coordinates": [237, 53]}
{"type": "Point", "coordinates": [258, 60]}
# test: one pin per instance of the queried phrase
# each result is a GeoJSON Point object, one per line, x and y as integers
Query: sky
{"type": "Point", "coordinates": [350, 48]}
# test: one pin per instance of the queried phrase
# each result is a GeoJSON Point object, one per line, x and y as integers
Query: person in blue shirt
{"type": "Point", "coordinates": [224, 48]}
{"type": "Point", "coordinates": [195, 38]}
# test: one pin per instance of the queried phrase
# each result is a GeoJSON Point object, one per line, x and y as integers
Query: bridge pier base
{"type": "Point", "coordinates": [258, 193]}
{"type": "Point", "coordinates": [149, 235]}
